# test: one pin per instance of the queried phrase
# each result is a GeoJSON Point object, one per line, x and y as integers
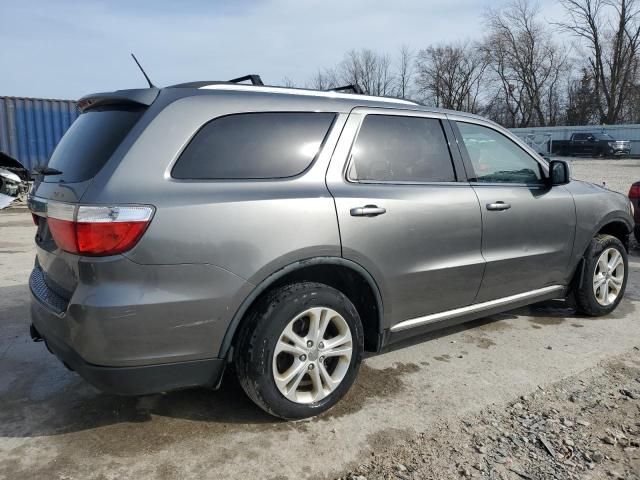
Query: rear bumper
{"type": "Point", "coordinates": [141, 380]}
{"type": "Point", "coordinates": [122, 314]}
{"type": "Point", "coordinates": [154, 332]}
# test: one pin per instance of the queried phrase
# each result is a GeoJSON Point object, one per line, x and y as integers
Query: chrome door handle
{"type": "Point", "coordinates": [367, 211]}
{"type": "Point", "coordinates": [498, 206]}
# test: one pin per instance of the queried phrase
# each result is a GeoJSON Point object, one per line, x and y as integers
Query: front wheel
{"type": "Point", "coordinates": [300, 350]}
{"type": "Point", "coordinates": [605, 276]}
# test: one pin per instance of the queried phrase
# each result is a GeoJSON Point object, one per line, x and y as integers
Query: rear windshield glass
{"type": "Point", "coordinates": [254, 146]}
{"type": "Point", "coordinates": [90, 141]}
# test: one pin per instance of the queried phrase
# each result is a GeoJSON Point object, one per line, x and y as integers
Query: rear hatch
{"type": "Point", "coordinates": [83, 151]}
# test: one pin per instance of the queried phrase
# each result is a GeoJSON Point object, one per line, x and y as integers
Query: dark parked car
{"type": "Point", "coordinates": [634, 196]}
{"type": "Point", "coordinates": [289, 231]}
{"type": "Point", "coordinates": [591, 145]}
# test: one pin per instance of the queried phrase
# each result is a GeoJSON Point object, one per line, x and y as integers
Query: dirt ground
{"type": "Point", "coordinates": [471, 401]}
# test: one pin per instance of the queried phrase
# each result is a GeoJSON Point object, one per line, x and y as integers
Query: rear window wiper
{"type": "Point", "coordinates": [46, 171]}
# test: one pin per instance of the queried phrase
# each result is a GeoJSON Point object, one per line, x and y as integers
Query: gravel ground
{"type": "Point", "coordinates": [618, 175]}
{"type": "Point", "coordinates": [586, 426]}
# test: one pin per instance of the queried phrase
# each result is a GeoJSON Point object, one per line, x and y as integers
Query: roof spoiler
{"type": "Point", "coordinates": [137, 96]}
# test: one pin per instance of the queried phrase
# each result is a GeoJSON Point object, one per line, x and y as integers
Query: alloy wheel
{"type": "Point", "coordinates": [312, 355]}
{"type": "Point", "coordinates": [608, 277]}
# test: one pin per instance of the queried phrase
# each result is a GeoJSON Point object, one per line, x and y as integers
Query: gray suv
{"type": "Point", "coordinates": [288, 232]}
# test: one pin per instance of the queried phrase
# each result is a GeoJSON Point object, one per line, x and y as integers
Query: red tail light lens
{"type": "Point", "coordinates": [108, 238]}
{"type": "Point", "coordinates": [98, 231]}
{"type": "Point", "coordinates": [64, 234]}
{"type": "Point", "coordinates": [634, 192]}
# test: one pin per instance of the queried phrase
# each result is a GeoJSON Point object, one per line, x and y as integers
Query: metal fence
{"type": "Point", "coordinates": [30, 128]}
{"type": "Point", "coordinates": [541, 138]}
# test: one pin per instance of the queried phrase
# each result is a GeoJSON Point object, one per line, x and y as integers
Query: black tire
{"type": "Point", "coordinates": [636, 233]}
{"type": "Point", "coordinates": [585, 296]}
{"type": "Point", "coordinates": [261, 331]}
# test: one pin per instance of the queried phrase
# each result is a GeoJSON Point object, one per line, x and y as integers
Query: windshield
{"type": "Point", "coordinates": [603, 136]}
{"type": "Point", "coordinates": [90, 141]}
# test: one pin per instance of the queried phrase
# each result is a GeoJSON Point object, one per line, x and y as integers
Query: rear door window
{"type": "Point", "coordinates": [254, 146]}
{"type": "Point", "coordinates": [90, 141]}
{"type": "Point", "coordinates": [405, 149]}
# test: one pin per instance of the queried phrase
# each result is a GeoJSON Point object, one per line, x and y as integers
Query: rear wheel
{"type": "Point", "coordinates": [300, 350]}
{"type": "Point", "coordinates": [636, 233]}
{"type": "Point", "coordinates": [605, 276]}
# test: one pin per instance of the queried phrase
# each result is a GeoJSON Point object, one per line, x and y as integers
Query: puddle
{"type": "Point", "coordinates": [624, 308]}
{"type": "Point", "coordinates": [371, 383]}
{"type": "Point", "coordinates": [484, 343]}
{"type": "Point", "coordinates": [544, 321]}
{"type": "Point", "coordinates": [480, 341]}
{"type": "Point", "coordinates": [499, 325]}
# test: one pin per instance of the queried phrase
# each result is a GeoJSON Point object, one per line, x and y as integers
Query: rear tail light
{"type": "Point", "coordinates": [97, 230]}
{"type": "Point", "coordinates": [634, 192]}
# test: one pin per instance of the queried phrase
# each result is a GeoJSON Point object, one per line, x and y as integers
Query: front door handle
{"type": "Point", "coordinates": [367, 211]}
{"type": "Point", "coordinates": [498, 206]}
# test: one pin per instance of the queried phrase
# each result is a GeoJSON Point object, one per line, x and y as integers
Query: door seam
{"type": "Point", "coordinates": [484, 266]}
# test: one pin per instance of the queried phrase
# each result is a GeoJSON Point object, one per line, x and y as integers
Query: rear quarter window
{"type": "Point", "coordinates": [90, 141]}
{"type": "Point", "coordinates": [254, 146]}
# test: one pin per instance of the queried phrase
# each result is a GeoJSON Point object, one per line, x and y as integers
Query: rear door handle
{"type": "Point", "coordinates": [498, 206]}
{"type": "Point", "coordinates": [367, 211]}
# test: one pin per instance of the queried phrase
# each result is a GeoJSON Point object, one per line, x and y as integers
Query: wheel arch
{"type": "Point", "coordinates": [345, 275]}
{"type": "Point", "coordinates": [613, 225]}
{"type": "Point", "coordinates": [616, 227]}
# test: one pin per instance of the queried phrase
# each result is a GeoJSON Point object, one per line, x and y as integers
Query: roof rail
{"type": "Point", "coordinates": [355, 88]}
{"type": "Point", "coordinates": [253, 78]}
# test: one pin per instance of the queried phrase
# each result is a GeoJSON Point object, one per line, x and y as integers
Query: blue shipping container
{"type": "Point", "coordinates": [30, 128]}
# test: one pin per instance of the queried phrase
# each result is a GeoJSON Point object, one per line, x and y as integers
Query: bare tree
{"type": "Point", "coordinates": [287, 82]}
{"type": "Point", "coordinates": [404, 76]}
{"type": "Point", "coordinates": [450, 76]}
{"type": "Point", "coordinates": [610, 30]}
{"type": "Point", "coordinates": [527, 65]}
{"type": "Point", "coordinates": [368, 69]}
{"type": "Point", "coordinates": [324, 80]}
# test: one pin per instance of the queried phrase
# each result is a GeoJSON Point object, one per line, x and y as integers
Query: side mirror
{"type": "Point", "coordinates": [559, 172]}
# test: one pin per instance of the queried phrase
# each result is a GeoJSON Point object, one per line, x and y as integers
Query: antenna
{"type": "Point", "coordinates": [151, 85]}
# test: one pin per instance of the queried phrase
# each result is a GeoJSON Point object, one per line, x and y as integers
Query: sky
{"type": "Point", "coordinates": [66, 49]}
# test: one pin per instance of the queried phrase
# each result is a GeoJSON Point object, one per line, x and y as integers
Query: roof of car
{"type": "Point", "coordinates": [353, 97]}
{"type": "Point", "coordinates": [347, 100]}
{"type": "Point", "coordinates": [309, 97]}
